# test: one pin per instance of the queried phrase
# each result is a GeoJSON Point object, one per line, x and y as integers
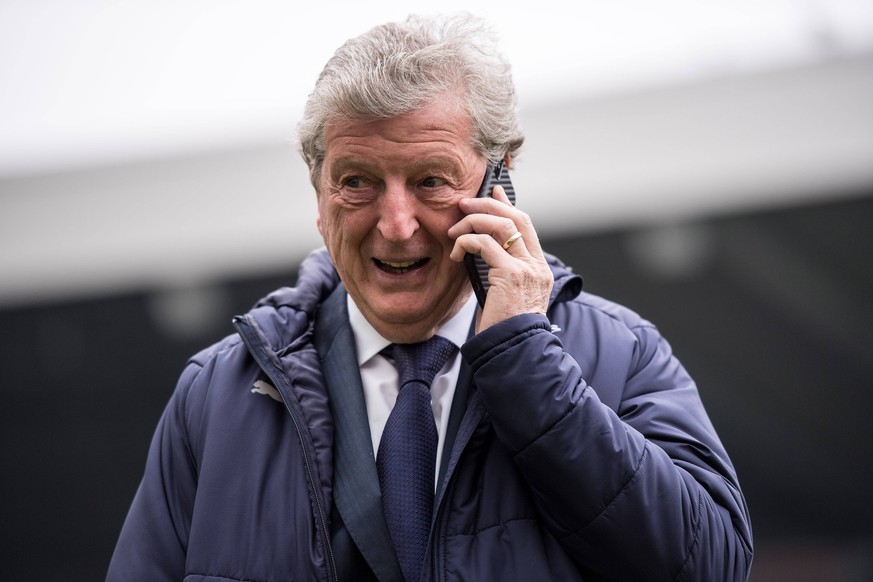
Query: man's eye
{"type": "Point", "coordinates": [354, 182]}
{"type": "Point", "coordinates": [433, 182]}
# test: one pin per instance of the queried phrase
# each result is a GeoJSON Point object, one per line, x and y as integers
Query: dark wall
{"type": "Point", "coordinates": [772, 313]}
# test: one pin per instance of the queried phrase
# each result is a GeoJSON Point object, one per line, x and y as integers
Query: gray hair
{"type": "Point", "coordinates": [399, 67]}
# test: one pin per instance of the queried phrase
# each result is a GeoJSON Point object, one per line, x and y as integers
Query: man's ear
{"type": "Point", "coordinates": [508, 159]}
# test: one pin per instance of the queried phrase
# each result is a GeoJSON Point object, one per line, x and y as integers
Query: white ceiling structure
{"type": "Point", "coordinates": [150, 143]}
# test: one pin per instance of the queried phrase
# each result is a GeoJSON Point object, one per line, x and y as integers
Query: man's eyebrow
{"type": "Point", "coordinates": [441, 162]}
{"type": "Point", "coordinates": [349, 161]}
{"type": "Point", "coordinates": [353, 163]}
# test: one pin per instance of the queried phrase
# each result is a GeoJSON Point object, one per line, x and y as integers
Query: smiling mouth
{"type": "Point", "coordinates": [400, 267]}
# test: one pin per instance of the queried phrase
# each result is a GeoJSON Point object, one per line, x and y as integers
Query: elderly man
{"type": "Point", "coordinates": [375, 423]}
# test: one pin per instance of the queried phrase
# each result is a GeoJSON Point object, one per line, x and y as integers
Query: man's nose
{"type": "Point", "coordinates": [397, 219]}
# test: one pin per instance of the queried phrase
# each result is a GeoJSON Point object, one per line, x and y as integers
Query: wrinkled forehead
{"type": "Point", "coordinates": [438, 123]}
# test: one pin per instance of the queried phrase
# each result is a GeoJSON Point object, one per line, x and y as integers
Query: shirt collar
{"type": "Point", "coordinates": [369, 342]}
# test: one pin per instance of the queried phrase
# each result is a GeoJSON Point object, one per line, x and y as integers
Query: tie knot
{"type": "Point", "coordinates": [422, 361]}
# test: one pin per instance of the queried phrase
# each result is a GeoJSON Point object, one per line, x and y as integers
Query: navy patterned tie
{"type": "Point", "coordinates": [407, 452]}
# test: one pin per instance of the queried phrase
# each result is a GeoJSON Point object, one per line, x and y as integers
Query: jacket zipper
{"type": "Point", "coordinates": [437, 527]}
{"type": "Point", "coordinates": [252, 343]}
{"type": "Point", "coordinates": [437, 536]}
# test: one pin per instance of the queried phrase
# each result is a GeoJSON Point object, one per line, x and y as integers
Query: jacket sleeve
{"type": "Point", "coordinates": [641, 491]}
{"type": "Point", "coordinates": [153, 541]}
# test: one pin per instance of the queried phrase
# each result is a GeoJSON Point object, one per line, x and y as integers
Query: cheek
{"type": "Point", "coordinates": [328, 217]}
{"type": "Point", "coordinates": [321, 217]}
{"type": "Point", "coordinates": [326, 221]}
{"type": "Point", "coordinates": [342, 231]}
{"type": "Point", "coordinates": [332, 234]}
{"type": "Point", "coordinates": [444, 221]}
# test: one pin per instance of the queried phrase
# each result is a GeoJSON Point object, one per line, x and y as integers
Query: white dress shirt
{"type": "Point", "coordinates": [380, 377]}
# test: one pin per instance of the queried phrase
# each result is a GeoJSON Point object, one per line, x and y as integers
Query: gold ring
{"type": "Point", "coordinates": [511, 241]}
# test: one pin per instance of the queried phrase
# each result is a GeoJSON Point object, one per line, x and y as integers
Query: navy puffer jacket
{"type": "Point", "coordinates": [584, 453]}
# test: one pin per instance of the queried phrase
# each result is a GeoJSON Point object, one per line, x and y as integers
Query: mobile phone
{"type": "Point", "coordinates": [477, 269]}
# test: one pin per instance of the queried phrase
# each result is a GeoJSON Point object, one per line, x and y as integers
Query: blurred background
{"type": "Point", "coordinates": [708, 164]}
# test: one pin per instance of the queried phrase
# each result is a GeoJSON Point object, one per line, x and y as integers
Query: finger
{"type": "Point", "coordinates": [499, 227]}
{"type": "Point", "coordinates": [478, 244]}
{"type": "Point", "coordinates": [499, 193]}
{"type": "Point", "coordinates": [531, 240]}
{"type": "Point", "coordinates": [501, 221]}
{"type": "Point", "coordinates": [498, 205]}
{"type": "Point", "coordinates": [510, 242]}
{"type": "Point", "coordinates": [491, 251]}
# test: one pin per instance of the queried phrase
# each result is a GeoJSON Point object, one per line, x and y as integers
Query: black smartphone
{"type": "Point", "coordinates": [477, 269]}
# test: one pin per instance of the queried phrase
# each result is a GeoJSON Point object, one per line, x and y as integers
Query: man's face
{"type": "Point", "coordinates": [387, 195]}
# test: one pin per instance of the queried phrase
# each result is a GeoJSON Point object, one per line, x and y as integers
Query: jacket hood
{"type": "Point", "coordinates": [567, 283]}
{"type": "Point", "coordinates": [316, 280]}
{"type": "Point", "coordinates": [285, 316]}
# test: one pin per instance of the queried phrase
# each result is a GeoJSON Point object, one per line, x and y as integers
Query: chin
{"type": "Point", "coordinates": [412, 325]}
{"type": "Point", "coordinates": [414, 316]}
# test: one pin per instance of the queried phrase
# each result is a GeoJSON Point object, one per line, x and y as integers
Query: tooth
{"type": "Point", "coordinates": [401, 265]}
